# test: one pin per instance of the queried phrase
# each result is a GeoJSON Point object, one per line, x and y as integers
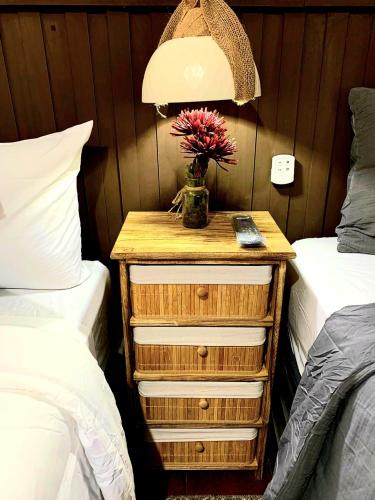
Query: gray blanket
{"type": "Point", "coordinates": [327, 451]}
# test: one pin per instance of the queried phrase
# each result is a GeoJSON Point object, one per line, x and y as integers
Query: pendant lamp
{"type": "Point", "coordinates": [204, 55]}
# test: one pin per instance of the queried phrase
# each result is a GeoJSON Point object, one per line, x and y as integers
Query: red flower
{"type": "Point", "coordinates": [204, 135]}
{"type": "Point", "coordinates": [197, 121]}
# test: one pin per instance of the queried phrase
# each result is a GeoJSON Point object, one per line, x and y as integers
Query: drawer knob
{"type": "Point", "coordinates": [204, 404]}
{"type": "Point", "coordinates": [202, 351]}
{"type": "Point", "coordinates": [202, 293]}
{"type": "Point", "coordinates": [199, 447]}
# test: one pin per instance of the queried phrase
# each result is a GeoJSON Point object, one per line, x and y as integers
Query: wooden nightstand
{"type": "Point", "coordinates": [201, 324]}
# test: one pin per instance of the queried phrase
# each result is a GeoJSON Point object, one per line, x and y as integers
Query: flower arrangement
{"type": "Point", "coordinates": [205, 137]}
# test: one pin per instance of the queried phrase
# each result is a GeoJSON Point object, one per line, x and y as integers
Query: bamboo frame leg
{"type": "Point", "coordinates": [271, 362]}
{"type": "Point", "coordinates": [128, 339]}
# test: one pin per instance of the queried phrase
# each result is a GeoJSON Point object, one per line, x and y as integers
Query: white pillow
{"type": "Point", "coordinates": [40, 230]}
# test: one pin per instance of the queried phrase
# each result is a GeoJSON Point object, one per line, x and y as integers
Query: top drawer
{"type": "Point", "coordinates": [193, 291]}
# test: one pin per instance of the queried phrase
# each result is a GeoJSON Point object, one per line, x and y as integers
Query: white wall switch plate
{"type": "Point", "coordinates": [282, 171]}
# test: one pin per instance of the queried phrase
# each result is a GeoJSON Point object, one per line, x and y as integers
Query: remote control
{"type": "Point", "coordinates": [247, 233]}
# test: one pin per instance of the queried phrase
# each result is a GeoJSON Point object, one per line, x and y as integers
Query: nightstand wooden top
{"type": "Point", "coordinates": [160, 236]}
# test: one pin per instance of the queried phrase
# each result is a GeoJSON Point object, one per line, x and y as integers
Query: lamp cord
{"type": "Point", "coordinates": [158, 106]}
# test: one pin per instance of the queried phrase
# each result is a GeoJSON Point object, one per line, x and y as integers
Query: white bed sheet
{"type": "Point", "coordinates": [84, 307]}
{"type": "Point", "coordinates": [42, 445]}
{"type": "Point", "coordinates": [60, 431]}
{"type": "Point", "coordinates": [325, 282]}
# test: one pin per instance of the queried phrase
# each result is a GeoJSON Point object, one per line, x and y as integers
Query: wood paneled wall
{"type": "Point", "coordinates": [62, 67]}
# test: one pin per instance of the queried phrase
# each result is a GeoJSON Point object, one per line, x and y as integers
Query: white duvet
{"type": "Point", "coordinates": [60, 431]}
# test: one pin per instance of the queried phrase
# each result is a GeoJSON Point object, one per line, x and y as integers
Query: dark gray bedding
{"type": "Point", "coordinates": [327, 451]}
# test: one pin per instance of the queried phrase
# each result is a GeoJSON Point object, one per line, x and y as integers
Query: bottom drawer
{"type": "Point", "coordinates": [210, 448]}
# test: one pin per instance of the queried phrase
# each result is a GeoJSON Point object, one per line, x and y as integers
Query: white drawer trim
{"type": "Point", "coordinates": [207, 336]}
{"type": "Point", "coordinates": [199, 274]}
{"type": "Point", "coordinates": [189, 435]}
{"type": "Point", "coordinates": [246, 390]}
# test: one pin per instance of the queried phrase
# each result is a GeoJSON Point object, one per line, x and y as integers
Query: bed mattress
{"type": "Point", "coordinates": [84, 307]}
{"type": "Point", "coordinates": [322, 282]}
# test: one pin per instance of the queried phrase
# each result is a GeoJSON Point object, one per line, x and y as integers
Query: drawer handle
{"type": "Point", "coordinates": [203, 404]}
{"type": "Point", "coordinates": [202, 351]}
{"type": "Point", "coordinates": [202, 293]}
{"type": "Point", "coordinates": [199, 448]}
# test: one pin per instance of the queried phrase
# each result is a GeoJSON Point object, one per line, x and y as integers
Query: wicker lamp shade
{"type": "Point", "coordinates": [190, 69]}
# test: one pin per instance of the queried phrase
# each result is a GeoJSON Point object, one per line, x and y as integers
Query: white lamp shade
{"type": "Point", "coordinates": [189, 69]}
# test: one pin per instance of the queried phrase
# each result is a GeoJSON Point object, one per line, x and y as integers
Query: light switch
{"type": "Point", "coordinates": [282, 171]}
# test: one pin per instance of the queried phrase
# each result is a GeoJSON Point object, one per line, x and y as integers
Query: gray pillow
{"type": "Point", "coordinates": [362, 105]}
{"type": "Point", "coordinates": [356, 231]}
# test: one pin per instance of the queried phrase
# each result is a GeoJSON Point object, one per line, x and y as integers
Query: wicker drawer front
{"type": "Point", "coordinates": [199, 349]}
{"type": "Point", "coordinates": [188, 301]}
{"type": "Point", "coordinates": [198, 359]}
{"type": "Point", "coordinates": [204, 297]}
{"type": "Point", "coordinates": [189, 410]}
{"type": "Point", "coordinates": [212, 454]}
{"type": "Point", "coordinates": [210, 402]}
{"type": "Point", "coordinates": [218, 454]}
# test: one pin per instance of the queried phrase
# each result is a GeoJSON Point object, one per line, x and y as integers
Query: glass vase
{"type": "Point", "coordinates": [195, 203]}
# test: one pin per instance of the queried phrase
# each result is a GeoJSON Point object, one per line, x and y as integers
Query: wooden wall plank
{"type": "Point", "coordinates": [24, 54]}
{"type": "Point", "coordinates": [290, 76]}
{"type": "Point", "coordinates": [8, 124]}
{"type": "Point", "coordinates": [60, 74]}
{"type": "Point", "coordinates": [369, 79]}
{"type": "Point", "coordinates": [234, 188]}
{"type": "Point", "coordinates": [267, 109]}
{"type": "Point", "coordinates": [37, 71]}
{"type": "Point", "coordinates": [145, 36]}
{"type": "Point", "coordinates": [81, 67]}
{"type": "Point", "coordinates": [98, 30]}
{"type": "Point", "coordinates": [353, 73]}
{"type": "Point", "coordinates": [337, 24]}
{"type": "Point", "coordinates": [305, 129]}
{"type": "Point", "coordinates": [94, 160]}
{"type": "Point", "coordinates": [248, 115]}
{"type": "Point", "coordinates": [122, 89]}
